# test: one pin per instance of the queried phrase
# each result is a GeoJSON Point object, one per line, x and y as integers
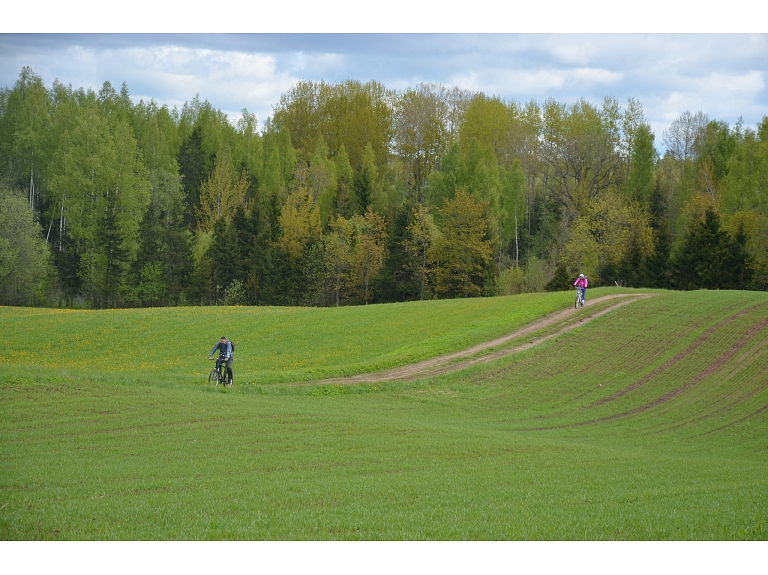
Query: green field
{"type": "Point", "coordinates": [650, 422]}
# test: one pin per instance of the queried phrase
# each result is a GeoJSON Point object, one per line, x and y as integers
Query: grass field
{"type": "Point", "coordinates": [273, 344]}
{"type": "Point", "coordinates": [650, 422]}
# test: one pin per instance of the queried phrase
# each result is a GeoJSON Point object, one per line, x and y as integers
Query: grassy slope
{"type": "Point", "coordinates": [273, 344]}
{"type": "Point", "coordinates": [519, 448]}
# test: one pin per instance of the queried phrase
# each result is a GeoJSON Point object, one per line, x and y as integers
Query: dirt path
{"type": "Point", "coordinates": [447, 363]}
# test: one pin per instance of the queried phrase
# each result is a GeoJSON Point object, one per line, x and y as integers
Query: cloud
{"type": "Point", "coordinates": [317, 65]}
{"type": "Point", "coordinates": [722, 74]}
{"type": "Point", "coordinates": [524, 84]}
{"type": "Point", "coordinates": [719, 95]}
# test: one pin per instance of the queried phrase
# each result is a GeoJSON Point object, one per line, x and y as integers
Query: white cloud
{"type": "Point", "coordinates": [230, 80]}
{"type": "Point", "coordinates": [723, 96]}
{"type": "Point", "coordinates": [525, 84]}
{"type": "Point", "coordinates": [723, 75]}
{"type": "Point", "coordinates": [171, 75]}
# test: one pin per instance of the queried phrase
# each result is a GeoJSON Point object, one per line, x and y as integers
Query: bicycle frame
{"type": "Point", "coordinates": [220, 371]}
{"type": "Point", "coordinates": [579, 296]}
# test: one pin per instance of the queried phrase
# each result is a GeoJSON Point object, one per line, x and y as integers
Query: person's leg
{"type": "Point", "coordinates": [584, 295]}
{"type": "Point", "coordinates": [229, 369]}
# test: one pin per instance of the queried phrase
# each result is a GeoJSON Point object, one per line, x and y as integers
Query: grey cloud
{"type": "Point", "coordinates": [723, 74]}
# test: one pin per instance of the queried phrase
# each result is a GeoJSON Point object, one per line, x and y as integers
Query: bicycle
{"type": "Point", "coordinates": [218, 374]}
{"type": "Point", "coordinates": [579, 297]}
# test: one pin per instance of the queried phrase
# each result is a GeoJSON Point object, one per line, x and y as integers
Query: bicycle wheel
{"type": "Point", "coordinates": [214, 377]}
{"type": "Point", "coordinates": [577, 301]}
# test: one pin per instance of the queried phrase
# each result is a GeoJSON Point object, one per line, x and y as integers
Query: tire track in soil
{"type": "Point", "coordinates": [751, 415]}
{"type": "Point", "coordinates": [743, 341]}
{"type": "Point", "coordinates": [673, 360]}
{"type": "Point", "coordinates": [446, 363]}
{"type": "Point", "coordinates": [707, 371]}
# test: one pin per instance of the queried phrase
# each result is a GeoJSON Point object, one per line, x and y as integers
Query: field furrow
{"type": "Point", "coordinates": [643, 416]}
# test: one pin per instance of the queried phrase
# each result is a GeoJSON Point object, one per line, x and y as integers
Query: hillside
{"type": "Point", "coordinates": [644, 421]}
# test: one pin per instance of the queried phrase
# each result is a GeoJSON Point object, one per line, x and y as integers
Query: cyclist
{"type": "Point", "coordinates": [225, 348]}
{"type": "Point", "coordinates": [581, 283]}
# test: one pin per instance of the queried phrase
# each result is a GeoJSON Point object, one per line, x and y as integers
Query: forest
{"type": "Point", "coordinates": [354, 193]}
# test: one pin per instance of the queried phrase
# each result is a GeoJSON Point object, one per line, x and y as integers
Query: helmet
{"type": "Point", "coordinates": [581, 275]}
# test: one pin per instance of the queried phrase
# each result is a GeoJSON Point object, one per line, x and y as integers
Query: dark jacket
{"type": "Point", "coordinates": [225, 349]}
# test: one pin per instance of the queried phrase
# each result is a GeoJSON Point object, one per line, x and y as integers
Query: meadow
{"type": "Point", "coordinates": [649, 422]}
{"type": "Point", "coordinates": [274, 344]}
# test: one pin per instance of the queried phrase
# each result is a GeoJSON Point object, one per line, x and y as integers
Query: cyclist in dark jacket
{"type": "Point", "coordinates": [225, 348]}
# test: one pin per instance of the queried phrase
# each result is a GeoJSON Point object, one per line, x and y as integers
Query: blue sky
{"type": "Point", "coordinates": [724, 75]}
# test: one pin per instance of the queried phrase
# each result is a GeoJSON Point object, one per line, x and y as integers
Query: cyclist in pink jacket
{"type": "Point", "coordinates": [581, 282]}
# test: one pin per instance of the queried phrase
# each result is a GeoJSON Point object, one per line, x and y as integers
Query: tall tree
{"type": "Point", "coordinates": [581, 150]}
{"type": "Point", "coordinates": [338, 256]}
{"type": "Point", "coordinates": [299, 222]}
{"type": "Point", "coordinates": [194, 165]}
{"type": "Point", "coordinates": [369, 251]}
{"type": "Point", "coordinates": [462, 254]}
{"type": "Point", "coordinates": [421, 132]}
{"type": "Point", "coordinates": [607, 231]}
{"type": "Point", "coordinates": [25, 262]}
{"type": "Point", "coordinates": [221, 193]}
{"type": "Point", "coordinates": [422, 235]}
{"type": "Point", "coordinates": [641, 180]}
{"type": "Point", "coordinates": [25, 135]}
{"type": "Point", "coordinates": [346, 199]}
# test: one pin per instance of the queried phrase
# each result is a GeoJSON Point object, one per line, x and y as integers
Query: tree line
{"type": "Point", "coordinates": [353, 193]}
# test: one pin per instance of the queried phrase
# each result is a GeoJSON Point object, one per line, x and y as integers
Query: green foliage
{"type": "Point", "coordinates": [641, 180]}
{"type": "Point", "coordinates": [127, 194]}
{"type": "Point", "coordinates": [235, 294]}
{"type": "Point", "coordinates": [346, 204]}
{"type": "Point", "coordinates": [350, 115]}
{"type": "Point", "coordinates": [610, 231]}
{"type": "Point", "coordinates": [510, 281]}
{"type": "Point", "coordinates": [462, 253]}
{"type": "Point", "coordinates": [561, 280]}
{"type": "Point", "coordinates": [421, 124]}
{"type": "Point", "coordinates": [151, 288]}
{"type": "Point", "coordinates": [580, 149]}
{"type": "Point", "coordinates": [25, 260]}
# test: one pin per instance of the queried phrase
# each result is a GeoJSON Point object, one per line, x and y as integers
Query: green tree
{"type": "Point", "coordinates": [300, 223]}
{"type": "Point", "coordinates": [194, 165]}
{"type": "Point", "coordinates": [338, 256]}
{"type": "Point", "coordinates": [370, 237]}
{"type": "Point", "coordinates": [462, 254]}
{"type": "Point", "coordinates": [346, 199]}
{"type": "Point", "coordinates": [321, 181]}
{"type": "Point", "coordinates": [25, 135]}
{"type": "Point", "coordinates": [422, 234]}
{"type": "Point", "coordinates": [421, 132]}
{"type": "Point", "coordinates": [26, 274]}
{"type": "Point", "coordinates": [641, 180]}
{"type": "Point", "coordinates": [100, 190]}
{"type": "Point", "coordinates": [349, 114]}
{"type": "Point", "coordinates": [581, 151]}
{"type": "Point", "coordinates": [368, 192]}
{"type": "Point", "coordinates": [221, 193]}
{"type": "Point", "coordinates": [602, 237]}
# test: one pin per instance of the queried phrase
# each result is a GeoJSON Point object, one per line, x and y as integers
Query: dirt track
{"type": "Point", "coordinates": [447, 363]}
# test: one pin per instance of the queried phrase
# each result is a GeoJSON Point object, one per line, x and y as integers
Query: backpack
{"type": "Point", "coordinates": [232, 343]}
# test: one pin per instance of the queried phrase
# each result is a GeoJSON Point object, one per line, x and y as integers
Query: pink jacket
{"type": "Point", "coordinates": [581, 282]}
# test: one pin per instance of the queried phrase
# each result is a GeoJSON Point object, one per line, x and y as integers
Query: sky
{"type": "Point", "coordinates": [723, 75]}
